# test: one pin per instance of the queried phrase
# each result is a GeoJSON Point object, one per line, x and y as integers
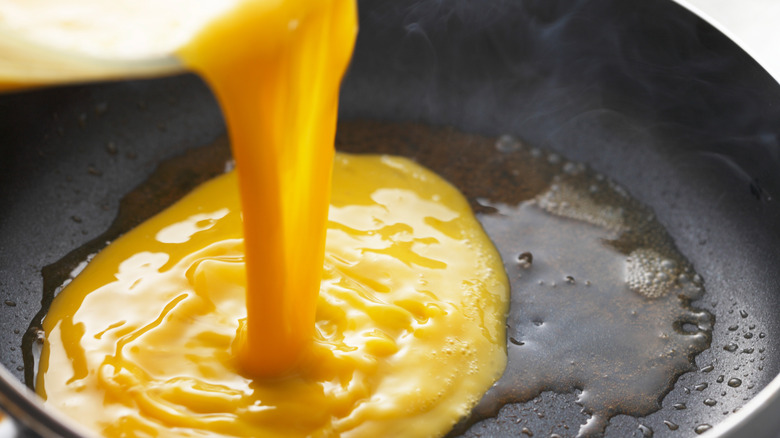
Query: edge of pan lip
{"type": "Point", "coordinates": [26, 408]}
{"type": "Point", "coordinates": [758, 417]}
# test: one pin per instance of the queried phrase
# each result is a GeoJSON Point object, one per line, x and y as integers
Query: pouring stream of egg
{"type": "Point", "coordinates": [276, 69]}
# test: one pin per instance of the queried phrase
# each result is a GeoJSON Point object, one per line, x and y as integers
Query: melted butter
{"type": "Point", "coordinates": [601, 302]}
{"type": "Point", "coordinates": [409, 320]}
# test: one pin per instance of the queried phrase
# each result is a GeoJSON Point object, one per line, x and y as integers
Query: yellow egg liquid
{"type": "Point", "coordinates": [230, 315]}
{"type": "Point", "coordinates": [409, 325]}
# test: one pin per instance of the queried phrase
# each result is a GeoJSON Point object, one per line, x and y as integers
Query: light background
{"type": "Point", "coordinates": [753, 24]}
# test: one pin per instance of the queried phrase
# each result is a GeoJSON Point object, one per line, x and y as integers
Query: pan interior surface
{"type": "Point", "coordinates": [643, 92]}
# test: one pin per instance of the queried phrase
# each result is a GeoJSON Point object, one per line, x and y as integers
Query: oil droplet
{"type": "Point", "coordinates": [731, 347]}
{"type": "Point", "coordinates": [111, 148]}
{"type": "Point", "coordinates": [700, 429]}
{"type": "Point", "coordinates": [748, 335]}
{"type": "Point", "coordinates": [720, 378]}
{"type": "Point", "coordinates": [525, 260]}
{"type": "Point", "coordinates": [701, 386]}
{"type": "Point", "coordinates": [762, 335]}
{"type": "Point", "coordinates": [748, 350]}
{"type": "Point", "coordinates": [708, 368]}
{"type": "Point", "coordinates": [679, 406]}
{"type": "Point", "coordinates": [734, 382]}
{"type": "Point", "coordinates": [670, 425]}
{"type": "Point", "coordinates": [743, 313]}
{"type": "Point", "coordinates": [710, 402]}
{"type": "Point", "coordinates": [526, 431]}
{"type": "Point", "coordinates": [575, 168]}
{"type": "Point", "coordinates": [733, 328]}
{"type": "Point", "coordinates": [646, 431]}
{"type": "Point", "coordinates": [508, 143]}
{"type": "Point", "coordinates": [92, 170]}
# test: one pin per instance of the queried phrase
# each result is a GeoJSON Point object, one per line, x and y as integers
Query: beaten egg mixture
{"type": "Point", "coordinates": [231, 314]}
{"type": "Point", "coordinates": [408, 330]}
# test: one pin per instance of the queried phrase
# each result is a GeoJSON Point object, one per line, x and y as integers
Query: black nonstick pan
{"type": "Point", "coordinates": [641, 91]}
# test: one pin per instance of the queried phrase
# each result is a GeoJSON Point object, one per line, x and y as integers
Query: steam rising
{"type": "Point", "coordinates": [530, 67]}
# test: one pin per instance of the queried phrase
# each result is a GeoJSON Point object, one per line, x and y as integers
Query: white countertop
{"type": "Point", "coordinates": [753, 24]}
{"type": "Point", "coordinates": [7, 429]}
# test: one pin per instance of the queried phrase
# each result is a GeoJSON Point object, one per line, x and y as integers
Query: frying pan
{"type": "Point", "coordinates": [642, 91]}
